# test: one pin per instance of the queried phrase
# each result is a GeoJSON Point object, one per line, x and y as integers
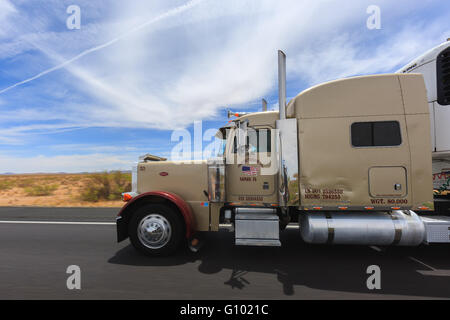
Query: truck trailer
{"type": "Point", "coordinates": [348, 160]}
{"type": "Point", "coordinates": [434, 65]}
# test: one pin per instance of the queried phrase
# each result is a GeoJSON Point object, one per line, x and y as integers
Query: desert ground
{"type": "Point", "coordinates": [64, 190]}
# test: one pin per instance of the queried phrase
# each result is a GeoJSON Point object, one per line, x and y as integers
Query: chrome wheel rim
{"type": "Point", "coordinates": [154, 231]}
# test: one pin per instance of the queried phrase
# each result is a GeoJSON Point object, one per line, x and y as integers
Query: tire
{"type": "Point", "coordinates": [156, 230]}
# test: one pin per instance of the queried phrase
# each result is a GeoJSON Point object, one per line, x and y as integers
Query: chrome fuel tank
{"type": "Point", "coordinates": [403, 228]}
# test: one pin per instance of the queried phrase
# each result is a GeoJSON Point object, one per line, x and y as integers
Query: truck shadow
{"type": "Point", "coordinates": [421, 271]}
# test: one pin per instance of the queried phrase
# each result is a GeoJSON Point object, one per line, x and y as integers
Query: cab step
{"type": "Point", "coordinates": [257, 227]}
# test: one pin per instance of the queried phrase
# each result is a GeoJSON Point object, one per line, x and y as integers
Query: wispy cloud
{"type": "Point", "coordinates": [162, 65]}
{"type": "Point", "coordinates": [65, 163]}
{"type": "Point", "coordinates": [343, 56]}
{"type": "Point", "coordinates": [168, 14]}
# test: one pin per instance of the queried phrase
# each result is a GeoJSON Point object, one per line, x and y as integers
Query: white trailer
{"type": "Point", "coordinates": [435, 67]}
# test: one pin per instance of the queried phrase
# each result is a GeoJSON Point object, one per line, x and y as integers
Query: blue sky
{"type": "Point", "coordinates": [137, 70]}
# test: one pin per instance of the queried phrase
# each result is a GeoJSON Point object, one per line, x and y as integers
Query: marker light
{"type": "Point", "coordinates": [126, 197]}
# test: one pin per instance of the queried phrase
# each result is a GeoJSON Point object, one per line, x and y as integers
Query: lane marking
{"type": "Point", "coordinates": [289, 226]}
{"type": "Point", "coordinates": [376, 248]}
{"type": "Point", "coordinates": [433, 271]}
{"type": "Point", "coordinates": [57, 222]}
{"type": "Point", "coordinates": [95, 223]}
{"type": "Point", "coordinates": [422, 263]}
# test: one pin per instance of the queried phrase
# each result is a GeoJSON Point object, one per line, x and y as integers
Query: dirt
{"type": "Point", "coordinates": [65, 191]}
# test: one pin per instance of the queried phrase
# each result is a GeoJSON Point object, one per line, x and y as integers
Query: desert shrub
{"type": "Point", "coordinates": [40, 190]}
{"type": "Point", "coordinates": [106, 186]}
{"type": "Point", "coordinates": [24, 183]}
{"type": "Point", "coordinates": [122, 183]}
{"type": "Point", "coordinates": [6, 184]}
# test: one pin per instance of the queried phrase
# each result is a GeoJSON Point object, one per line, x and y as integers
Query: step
{"type": "Point", "coordinates": [437, 229]}
{"type": "Point", "coordinates": [258, 242]}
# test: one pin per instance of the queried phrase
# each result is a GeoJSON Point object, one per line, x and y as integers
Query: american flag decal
{"type": "Point", "coordinates": [250, 170]}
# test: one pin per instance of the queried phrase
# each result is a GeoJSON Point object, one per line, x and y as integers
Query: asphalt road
{"type": "Point", "coordinates": [34, 258]}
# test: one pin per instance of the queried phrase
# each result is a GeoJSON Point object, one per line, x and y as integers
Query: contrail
{"type": "Point", "coordinates": [168, 14]}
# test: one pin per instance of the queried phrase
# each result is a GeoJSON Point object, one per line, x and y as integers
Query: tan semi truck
{"type": "Point", "coordinates": [348, 161]}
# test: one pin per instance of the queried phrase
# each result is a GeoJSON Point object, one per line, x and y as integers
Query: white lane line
{"type": "Point", "coordinates": [94, 223]}
{"type": "Point", "coordinates": [227, 225]}
{"type": "Point", "coordinates": [422, 263]}
{"type": "Point", "coordinates": [433, 271]}
{"type": "Point", "coordinates": [376, 248]}
{"type": "Point", "coordinates": [59, 222]}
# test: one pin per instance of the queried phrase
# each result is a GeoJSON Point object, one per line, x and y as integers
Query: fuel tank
{"type": "Point", "coordinates": [402, 228]}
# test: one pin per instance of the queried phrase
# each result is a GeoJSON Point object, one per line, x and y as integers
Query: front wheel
{"type": "Point", "coordinates": [156, 230]}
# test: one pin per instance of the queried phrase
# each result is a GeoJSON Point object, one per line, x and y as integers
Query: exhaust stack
{"type": "Point", "coordinates": [282, 84]}
{"type": "Point", "coordinates": [264, 105]}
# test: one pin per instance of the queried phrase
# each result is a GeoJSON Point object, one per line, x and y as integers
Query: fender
{"type": "Point", "coordinates": [125, 213]}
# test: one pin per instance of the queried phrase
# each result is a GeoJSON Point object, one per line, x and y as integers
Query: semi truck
{"type": "Point", "coordinates": [348, 161]}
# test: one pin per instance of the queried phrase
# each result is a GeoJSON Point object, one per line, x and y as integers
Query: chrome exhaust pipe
{"type": "Point", "coordinates": [282, 84]}
{"type": "Point", "coordinates": [264, 105]}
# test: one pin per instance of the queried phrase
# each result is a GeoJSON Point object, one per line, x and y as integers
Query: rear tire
{"type": "Point", "coordinates": [156, 230]}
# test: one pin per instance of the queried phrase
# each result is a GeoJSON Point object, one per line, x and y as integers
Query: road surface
{"type": "Point", "coordinates": [38, 244]}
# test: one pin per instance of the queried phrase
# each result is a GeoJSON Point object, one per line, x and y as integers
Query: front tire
{"type": "Point", "coordinates": [156, 230]}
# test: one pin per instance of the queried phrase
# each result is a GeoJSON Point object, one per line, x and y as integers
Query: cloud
{"type": "Point", "coordinates": [157, 65]}
{"type": "Point", "coordinates": [7, 9]}
{"type": "Point", "coordinates": [168, 14]}
{"type": "Point", "coordinates": [342, 56]}
{"type": "Point", "coordinates": [66, 163]}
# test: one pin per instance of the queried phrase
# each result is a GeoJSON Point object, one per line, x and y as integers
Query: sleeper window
{"type": "Point", "coordinates": [376, 134]}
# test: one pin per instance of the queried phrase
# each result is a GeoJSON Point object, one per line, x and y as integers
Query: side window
{"type": "Point", "coordinates": [376, 134]}
{"type": "Point", "coordinates": [443, 77]}
{"type": "Point", "coordinates": [259, 142]}
{"type": "Point", "coordinates": [264, 140]}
